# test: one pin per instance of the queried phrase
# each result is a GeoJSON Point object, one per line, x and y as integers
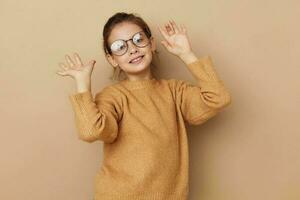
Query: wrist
{"type": "Point", "coordinates": [83, 85]}
{"type": "Point", "coordinates": [188, 57]}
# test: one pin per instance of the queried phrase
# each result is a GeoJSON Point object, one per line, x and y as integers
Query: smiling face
{"type": "Point", "coordinates": [135, 70]}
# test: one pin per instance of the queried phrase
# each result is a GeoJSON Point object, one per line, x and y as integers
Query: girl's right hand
{"type": "Point", "coordinates": [76, 69]}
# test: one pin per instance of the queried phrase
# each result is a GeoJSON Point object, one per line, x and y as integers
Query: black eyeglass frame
{"type": "Point", "coordinates": [125, 41]}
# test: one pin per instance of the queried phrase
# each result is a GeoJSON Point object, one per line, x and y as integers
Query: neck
{"type": "Point", "coordinates": [144, 75]}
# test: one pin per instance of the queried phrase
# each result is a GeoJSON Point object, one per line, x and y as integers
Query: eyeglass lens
{"type": "Point", "coordinates": [119, 47]}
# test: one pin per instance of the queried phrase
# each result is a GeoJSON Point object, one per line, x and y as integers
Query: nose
{"type": "Point", "coordinates": [131, 47]}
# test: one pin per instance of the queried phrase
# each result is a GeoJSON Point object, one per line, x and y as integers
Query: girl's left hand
{"type": "Point", "coordinates": [176, 39]}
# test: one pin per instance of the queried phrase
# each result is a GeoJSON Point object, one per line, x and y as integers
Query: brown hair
{"type": "Point", "coordinates": [118, 73]}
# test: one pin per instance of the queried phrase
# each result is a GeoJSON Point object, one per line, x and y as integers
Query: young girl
{"type": "Point", "coordinates": [141, 119]}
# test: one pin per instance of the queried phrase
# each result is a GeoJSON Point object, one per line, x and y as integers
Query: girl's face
{"type": "Point", "coordinates": [134, 70]}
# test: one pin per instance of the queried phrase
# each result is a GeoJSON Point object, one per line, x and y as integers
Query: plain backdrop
{"type": "Point", "coordinates": [249, 151]}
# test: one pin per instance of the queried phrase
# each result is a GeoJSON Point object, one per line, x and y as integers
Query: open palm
{"type": "Point", "coordinates": [176, 39]}
{"type": "Point", "coordinates": [76, 68]}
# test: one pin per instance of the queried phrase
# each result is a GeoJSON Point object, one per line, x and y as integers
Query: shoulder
{"type": "Point", "coordinates": [178, 83]}
{"type": "Point", "coordinates": [109, 91]}
{"type": "Point", "coordinates": [177, 87]}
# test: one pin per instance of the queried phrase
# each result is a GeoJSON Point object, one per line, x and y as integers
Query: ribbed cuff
{"type": "Point", "coordinates": [183, 195]}
{"type": "Point", "coordinates": [203, 69]}
{"type": "Point", "coordinates": [81, 96]}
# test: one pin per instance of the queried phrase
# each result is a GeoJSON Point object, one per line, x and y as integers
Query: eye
{"type": "Point", "coordinates": [118, 45]}
{"type": "Point", "coordinates": [138, 38]}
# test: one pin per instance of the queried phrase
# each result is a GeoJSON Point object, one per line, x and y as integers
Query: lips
{"type": "Point", "coordinates": [135, 58]}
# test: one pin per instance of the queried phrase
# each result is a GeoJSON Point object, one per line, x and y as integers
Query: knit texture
{"type": "Point", "coordinates": [142, 125]}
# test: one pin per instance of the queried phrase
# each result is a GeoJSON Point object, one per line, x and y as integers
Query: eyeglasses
{"type": "Point", "coordinates": [120, 47]}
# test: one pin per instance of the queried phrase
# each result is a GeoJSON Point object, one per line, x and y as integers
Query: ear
{"type": "Point", "coordinates": [111, 60]}
{"type": "Point", "coordinates": [153, 44]}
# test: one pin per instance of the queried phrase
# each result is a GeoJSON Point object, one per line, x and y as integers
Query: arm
{"type": "Point", "coordinates": [95, 119]}
{"type": "Point", "coordinates": [200, 102]}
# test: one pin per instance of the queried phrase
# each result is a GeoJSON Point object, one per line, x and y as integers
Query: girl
{"type": "Point", "coordinates": [141, 119]}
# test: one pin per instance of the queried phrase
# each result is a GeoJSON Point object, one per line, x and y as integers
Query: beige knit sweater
{"type": "Point", "coordinates": [142, 127]}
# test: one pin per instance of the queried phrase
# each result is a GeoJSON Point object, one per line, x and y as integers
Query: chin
{"type": "Point", "coordinates": [137, 69]}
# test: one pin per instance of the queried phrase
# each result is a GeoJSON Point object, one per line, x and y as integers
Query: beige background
{"type": "Point", "coordinates": [249, 151]}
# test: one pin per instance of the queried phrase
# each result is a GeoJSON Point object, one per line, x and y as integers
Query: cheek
{"type": "Point", "coordinates": [121, 60]}
{"type": "Point", "coordinates": [149, 55]}
{"type": "Point", "coordinates": [148, 52]}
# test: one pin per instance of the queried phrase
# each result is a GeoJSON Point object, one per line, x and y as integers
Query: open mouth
{"type": "Point", "coordinates": [137, 60]}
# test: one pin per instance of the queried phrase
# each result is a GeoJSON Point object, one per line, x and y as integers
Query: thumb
{"type": "Point", "coordinates": [166, 45]}
{"type": "Point", "coordinates": [92, 62]}
{"type": "Point", "coordinates": [62, 73]}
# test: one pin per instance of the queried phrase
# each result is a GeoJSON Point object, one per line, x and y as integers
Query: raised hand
{"type": "Point", "coordinates": [76, 69]}
{"type": "Point", "coordinates": [176, 39]}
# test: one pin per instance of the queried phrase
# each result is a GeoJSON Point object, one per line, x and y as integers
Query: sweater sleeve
{"type": "Point", "coordinates": [95, 119]}
{"type": "Point", "coordinates": [200, 102]}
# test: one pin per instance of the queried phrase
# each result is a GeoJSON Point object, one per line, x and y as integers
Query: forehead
{"type": "Point", "coordinates": [124, 30]}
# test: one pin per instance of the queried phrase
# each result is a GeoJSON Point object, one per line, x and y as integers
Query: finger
{"type": "Point", "coordinates": [63, 66]}
{"type": "Point", "coordinates": [166, 45]}
{"type": "Point", "coordinates": [92, 62]}
{"type": "Point", "coordinates": [169, 28]}
{"type": "Point", "coordinates": [164, 33]}
{"type": "Point", "coordinates": [70, 61]}
{"type": "Point", "coordinates": [62, 73]}
{"type": "Point", "coordinates": [78, 59]}
{"type": "Point", "coordinates": [183, 28]}
{"type": "Point", "coordinates": [166, 28]}
{"type": "Point", "coordinates": [174, 26]}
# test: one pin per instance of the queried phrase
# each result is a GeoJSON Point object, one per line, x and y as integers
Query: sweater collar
{"type": "Point", "coordinates": [138, 83]}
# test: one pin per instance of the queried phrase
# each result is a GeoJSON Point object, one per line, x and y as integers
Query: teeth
{"type": "Point", "coordinates": [137, 59]}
